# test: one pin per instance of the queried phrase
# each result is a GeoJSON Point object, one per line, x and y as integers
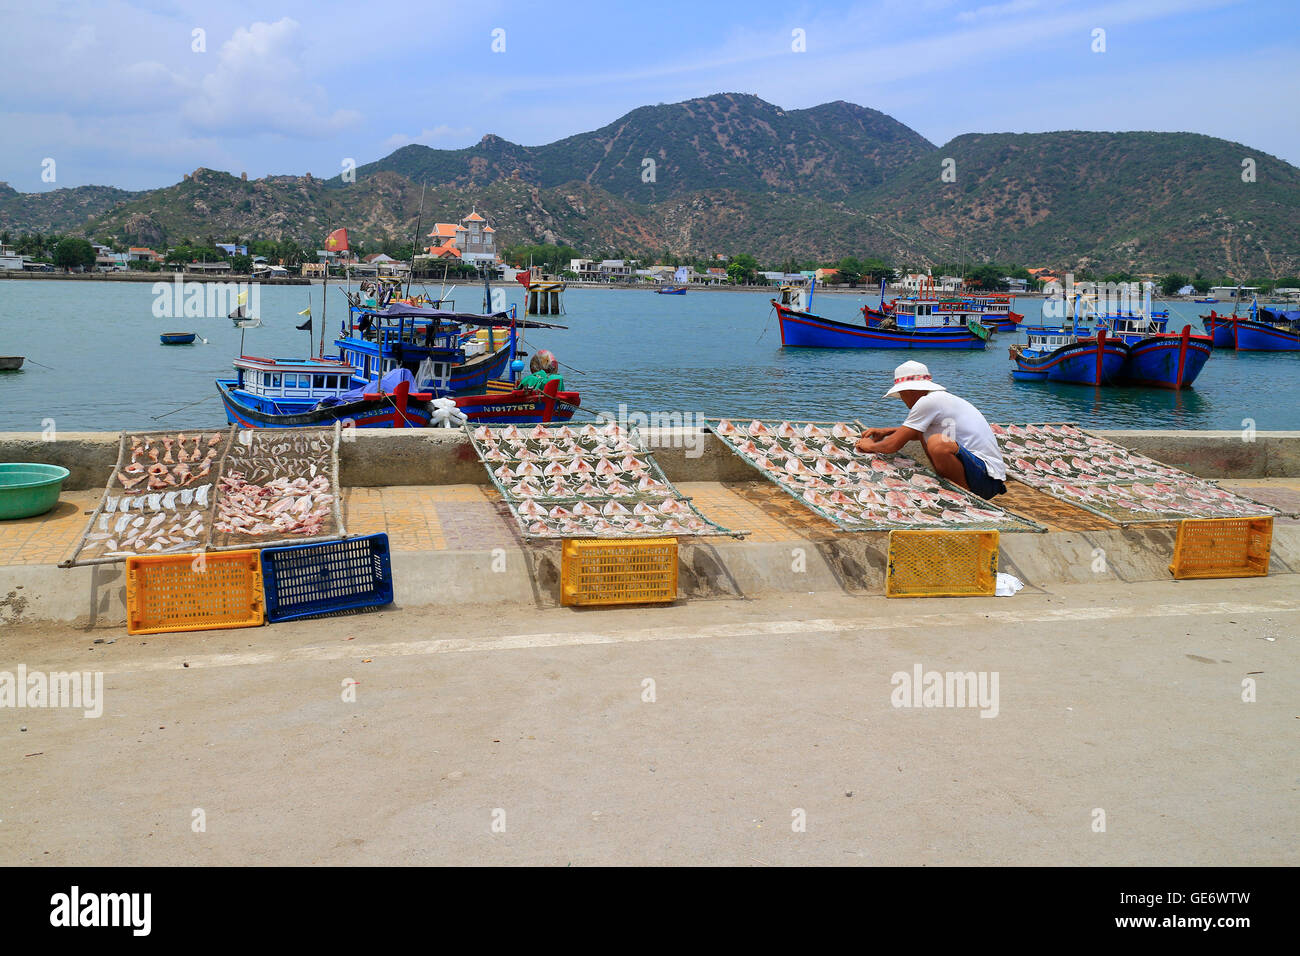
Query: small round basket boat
{"type": "Point", "coordinates": [27, 489]}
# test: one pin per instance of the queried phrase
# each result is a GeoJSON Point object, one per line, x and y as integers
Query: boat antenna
{"type": "Point", "coordinates": [415, 241]}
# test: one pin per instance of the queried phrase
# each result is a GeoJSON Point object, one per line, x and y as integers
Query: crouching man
{"type": "Point", "coordinates": [957, 439]}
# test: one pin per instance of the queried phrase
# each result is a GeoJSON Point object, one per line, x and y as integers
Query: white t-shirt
{"type": "Point", "coordinates": [945, 413]}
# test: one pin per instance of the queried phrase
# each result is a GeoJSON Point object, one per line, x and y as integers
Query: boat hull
{"type": "Point", "coordinates": [1166, 361]}
{"type": "Point", "coordinates": [522, 406]}
{"type": "Point", "coordinates": [177, 338]}
{"type": "Point", "coordinates": [1221, 330]}
{"type": "Point", "coordinates": [11, 363]}
{"type": "Point", "coordinates": [1250, 335]}
{"type": "Point", "coordinates": [1089, 362]}
{"type": "Point", "coordinates": [384, 412]}
{"type": "Point", "coordinates": [805, 330]}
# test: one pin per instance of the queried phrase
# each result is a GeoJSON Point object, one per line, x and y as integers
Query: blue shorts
{"type": "Point", "coordinates": [977, 476]}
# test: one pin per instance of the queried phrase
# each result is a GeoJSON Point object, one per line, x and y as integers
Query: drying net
{"type": "Point", "coordinates": [159, 498]}
{"type": "Point", "coordinates": [591, 481]}
{"type": "Point", "coordinates": [1111, 481]}
{"type": "Point", "coordinates": [179, 492]}
{"type": "Point", "coordinates": [817, 463]}
{"type": "Point", "coordinates": [277, 487]}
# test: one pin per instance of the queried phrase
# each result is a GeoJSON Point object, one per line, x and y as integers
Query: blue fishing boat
{"type": "Point", "coordinates": [909, 330]}
{"type": "Point", "coordinates": [1155, 357]}
{"type": "Point", "coordinates": [1263, 329]}
{"type": "Point", "coordinates": [995, 310]}
{"type": "Point", "coordinates": [671, 290]}
{"type": "Point", "coordinates": [178, 338]}
{"type": "Point", "coordinates": [1062, 355]}
{"type": "Point", "coordinates": [314, 392]}
{"type": "Point", "coordinates": [1206, 301]}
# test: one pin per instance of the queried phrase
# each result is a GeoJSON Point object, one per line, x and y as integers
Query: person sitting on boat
{"type": "Point", "coordinates": [956, 437]}
{"type": "Point", "coordinates": [543, 368]}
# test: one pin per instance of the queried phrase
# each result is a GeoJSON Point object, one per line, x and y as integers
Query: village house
{"type": "Point", "coordinates": [471, 241]}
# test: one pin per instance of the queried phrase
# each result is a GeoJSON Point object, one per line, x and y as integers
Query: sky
{"type": "Point", "coordinates": [136, 93]}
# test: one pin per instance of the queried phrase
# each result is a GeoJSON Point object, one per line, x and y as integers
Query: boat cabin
{"type": "Point", "coordinates": [292, 381]}
{"type": "Point", "coordinates": [427, 342]}
{"type": "Point", "coordinates": [1045, 339]}
{"type": "Point", "coordinates": [923, 313]}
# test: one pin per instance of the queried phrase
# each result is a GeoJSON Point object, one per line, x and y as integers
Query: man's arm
{"type": "Point", "coordinates": [889, 441]}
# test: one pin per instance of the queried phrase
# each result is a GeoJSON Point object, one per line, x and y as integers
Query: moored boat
{"type": "Point", "coordinates": [995, 310]}
{"type": "Point", "coordinates": [177, 338]}
{"type": "Point", "coordinates": [1158, 358]}
{"type": "Point", "coordinates": [1062, 355]}
{"type": "Point", "coordinates": [10, 363]}
{"type": "Point", "coordinates": [671, 290]}
{"type": "Point", "coordinates": [313, 392]}
{"type": "Point", "coordinates": [806, 330]}
{"type": "Point", "coordinates": [1263, 329]}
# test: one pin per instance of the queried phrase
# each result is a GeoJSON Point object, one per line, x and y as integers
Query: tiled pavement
{"type": "Point", "coordinates": [473, 517]}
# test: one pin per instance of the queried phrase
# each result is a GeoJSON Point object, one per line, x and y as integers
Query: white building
{"type": "Point", "coordinates": [12, 260]}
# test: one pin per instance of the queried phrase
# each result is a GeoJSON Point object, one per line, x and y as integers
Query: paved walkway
{"type": "Point", "coordinates": [701, 733]}
{"type": "Point", "coordinates": [473, 517]}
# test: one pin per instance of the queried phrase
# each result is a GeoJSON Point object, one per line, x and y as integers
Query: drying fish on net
{"type": "Point", "coordinates": [1109, 480]}
{"type": "Point", "coordinates": [278, 488]}
{"type": "Point", "coordinates": [595, 480]}
{"type": "Point", "coordinates": [818, 464]}
{"type": "Point", "coordinates": [158, 499]}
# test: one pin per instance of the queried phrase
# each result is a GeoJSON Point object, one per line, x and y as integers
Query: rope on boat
{"type": "Point", "coordinates": [183, 407]}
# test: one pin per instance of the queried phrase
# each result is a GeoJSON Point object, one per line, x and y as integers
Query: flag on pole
{"type": "Point", "coordinates": [525, 278]}
{"type": "Point", "coordinates": [306, 326]}
{"type": "Point", "coordinates": [337, 241]}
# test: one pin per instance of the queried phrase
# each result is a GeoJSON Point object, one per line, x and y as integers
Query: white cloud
{"type": "Point", "coordinates": [259, 86]}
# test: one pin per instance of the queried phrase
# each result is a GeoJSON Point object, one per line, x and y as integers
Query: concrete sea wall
{"type": "Point", "coordinates": [382, 457]}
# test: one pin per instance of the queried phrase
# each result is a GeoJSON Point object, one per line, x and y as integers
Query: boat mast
{"type": "Point", "coordinates": [415, 240]}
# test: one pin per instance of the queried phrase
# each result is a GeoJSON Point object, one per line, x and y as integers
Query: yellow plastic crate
{"type": "Point", "coordinates": [178, 592]}
{"type": "Point", "coordinates": [942, 564]}
{"type": "Point", "coordinates": [1222, 548]}
{"type": "Point", "coordinates": [633, 571]}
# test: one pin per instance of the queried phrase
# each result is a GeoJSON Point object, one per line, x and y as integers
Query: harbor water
{"type": "Point", "coordinates": [95, 363]}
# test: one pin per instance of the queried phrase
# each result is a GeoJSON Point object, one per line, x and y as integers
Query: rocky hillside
{"type": "Point", "coordinates": [733, 173]}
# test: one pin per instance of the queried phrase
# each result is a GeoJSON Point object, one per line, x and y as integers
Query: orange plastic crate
{"type": "Point", "coordinates": [1222, 548]}
{"type": "Point", "coordinates": [632, 571]}
{"type": "Point", "coordinates": [942, 564]}
{"type": "Point", "coordinates": [178, 592]}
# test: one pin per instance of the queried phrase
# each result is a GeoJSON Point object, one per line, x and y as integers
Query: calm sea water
{"type": "Point", "coordinates": [717, 353]}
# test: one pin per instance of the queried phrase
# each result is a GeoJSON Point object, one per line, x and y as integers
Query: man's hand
{"type": "Point", "coordinates": [867, 441]}
{"type": "Point", "coordinates": [885, 441]}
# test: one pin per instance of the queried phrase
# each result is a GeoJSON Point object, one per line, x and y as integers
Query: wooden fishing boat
{"type": "Point", "coordinates": [1205, 301]}
{"type": "Point", "coordinates": [178, 338]}
{"type": "Point", "coordinates": [913, 325]}
{"type": "Point", "coordinates": [1062, 355]}
{"type": "Point", "coordinates": [1156, 357]}
{"type": "Point", "coordinates": [514, 405]}
{"type": "Point", "coordinates": [995, 310]}
{"type": "Point", "coordinates": [311, 393]}
{"type": "Point", "coordinates": [10, 363]}
{"type": "Point", "coordinates": [1263, 329]}
{"type": "Point", "coordinates": [671, 290]}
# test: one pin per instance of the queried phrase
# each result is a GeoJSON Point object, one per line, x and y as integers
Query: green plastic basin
{"type": "Point", "coordinates": [29, 489]}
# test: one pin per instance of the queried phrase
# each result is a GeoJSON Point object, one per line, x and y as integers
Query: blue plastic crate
{"type": "Point", "coordinates": [323, 578]}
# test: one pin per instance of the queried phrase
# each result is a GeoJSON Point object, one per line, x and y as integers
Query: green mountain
{"type": "Point", "coordinates": [733, 173]}
{"type": "Point", "coordinates": [727, 141]}
{"type": "Point", "coordinates": [59, 210]}
{"type": "Point", "coordinates": [1154, 200]}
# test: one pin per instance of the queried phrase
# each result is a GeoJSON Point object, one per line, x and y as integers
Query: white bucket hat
{"type": "Point", "coordinates": [913, 377]}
